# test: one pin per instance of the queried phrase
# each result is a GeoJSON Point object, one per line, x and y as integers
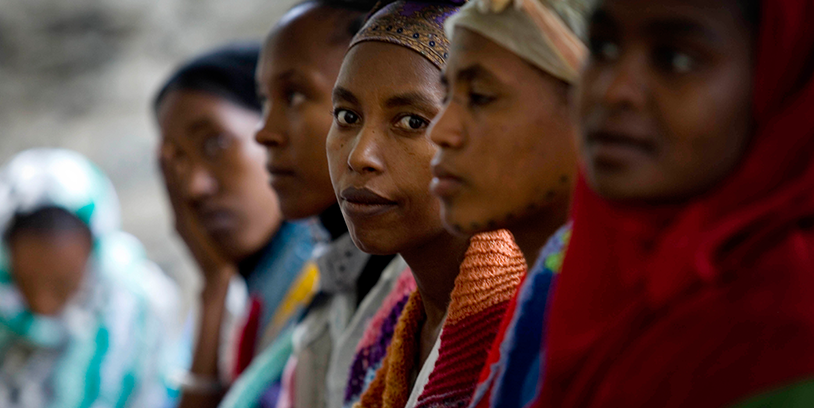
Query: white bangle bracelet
{"type": "Point", "coordinates": [189, 382]}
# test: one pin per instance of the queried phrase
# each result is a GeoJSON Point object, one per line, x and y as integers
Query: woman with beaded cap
{"type": "Point", "coordinates": [385, 98]}
{"type": "Point", "coordinates": [298, 65]}
{"type": "Point", "coordinates": [507, 131]}
{"type": "Point", "coordinates": [84, 316]}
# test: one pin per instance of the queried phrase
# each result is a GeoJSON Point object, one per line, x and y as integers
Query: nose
{"type": "Point", "coordinates": [271, 131]}
{"type": "Point", "coordinates": [197, 181]}
{"type": "Point", "coordinates": [365, 155]}
{"type": "Point", "coordinates": [623, 85]}
{"type": "Point", "coordinates": [447, 130]}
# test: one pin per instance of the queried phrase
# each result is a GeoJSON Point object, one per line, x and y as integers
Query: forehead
{"type": "Point", "coordinates": [709, 18]}
{"type": "Point", "coordinates": [383, 68]}
{"type": "Point", "coordinates": [183, 112]}
{"type": "Point", "coordinates": [307, 37]}
{"type": "Point", "coordinates": [465, 46]}
{"type": "Point", "coordinates": [470, 48]}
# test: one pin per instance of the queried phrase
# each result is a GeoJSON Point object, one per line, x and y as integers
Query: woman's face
{"type": "Point", "coordinates": [220, 170]}
{"type": "Point", "coordinates": [666, 97]}
{"type": "Point", "coordinates": [49, 267]}
{"type": "Point", "coordinates": [297, 71]}
{"type": "Point", "coordinates": [505, 135]}
{"type": "Point", "coordinates": [378, 149]}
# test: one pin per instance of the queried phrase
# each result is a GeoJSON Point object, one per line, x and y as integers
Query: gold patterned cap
{"type": "Point", "coordinates": [416, 25]}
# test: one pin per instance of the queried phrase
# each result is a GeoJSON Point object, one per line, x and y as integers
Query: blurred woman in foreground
{"type": "Point", "coordinates": [83, 315]}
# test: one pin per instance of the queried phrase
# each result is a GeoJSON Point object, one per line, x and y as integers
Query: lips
{"type": "Point", "coordinates": [622, 139]}
{"type": "Point", "coordinates": [217, 220]}
{"type": "Point", "coordinates": [611, 147]}
{"type": "Point", "coordinates": [281, 178]}
{"type": "Point", "coordinates": [363, 202]}
{"type": "Point", "coordinates": [444, 183]}
{"type": "Point", "coordinates": [277, 171]}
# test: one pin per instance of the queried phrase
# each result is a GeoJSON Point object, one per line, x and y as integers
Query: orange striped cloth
{"type": "Point", "coordinates": [489, 275]}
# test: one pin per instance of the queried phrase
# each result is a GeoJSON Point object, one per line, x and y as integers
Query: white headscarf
{"type": "Point", "coordinates": [546, 33]}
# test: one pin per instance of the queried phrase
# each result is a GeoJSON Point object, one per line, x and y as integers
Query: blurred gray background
{"type": "Point", "coordinates": [80, 74]}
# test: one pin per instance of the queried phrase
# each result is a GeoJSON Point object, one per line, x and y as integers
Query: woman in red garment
{"type": "Point", "coordinates": [696, 206]}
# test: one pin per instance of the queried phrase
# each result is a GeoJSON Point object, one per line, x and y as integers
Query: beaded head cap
{"type": "Point", "coordinates": [417, 25]}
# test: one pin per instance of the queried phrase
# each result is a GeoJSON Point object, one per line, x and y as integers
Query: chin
{"type": "Point", "coordinates": [616, 188]}
{"type": "Point", "coordinates": [458, 224]}
{"type": "Point", "coordinates": [232, 248]}
{"type": "Point", "coordinates": [372, 243]}
{"type": "Point", "coordinates": [292, 210]}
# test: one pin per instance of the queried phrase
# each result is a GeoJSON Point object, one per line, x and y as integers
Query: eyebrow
{"type": "Point", "coordinates": [476, 72]}
{"type": "Point", "coordinates": [197, 125]}
{"type": "Point", "coordinates": [601, 16]}
{"type": "Point", "coordinates": [416, 99]}
{"type": "Point", "coordinates": [661, 27]}
{"type": "Point", "coordinates": [284, 76]}
{"type": "Point", "coordinates": [675, 27]}
{"type": "Point", "coordinates": [343, 94]}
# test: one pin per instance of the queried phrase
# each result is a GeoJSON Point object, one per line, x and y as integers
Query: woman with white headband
{"type": "Point", "coordinates": [506, 132]}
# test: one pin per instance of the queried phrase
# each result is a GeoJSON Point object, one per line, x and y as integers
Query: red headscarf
{"type": "Point", "coordinates": [712, 302]}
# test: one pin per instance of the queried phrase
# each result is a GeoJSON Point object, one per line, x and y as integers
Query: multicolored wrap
{"type": "Point", "coordinates": [416, 25]}
{"type": "Point", "coordinates": [546, 33]}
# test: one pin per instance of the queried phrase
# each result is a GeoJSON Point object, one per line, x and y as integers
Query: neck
{"type": "Point", "coordinates": [333, 221]}
{"type": "Point", "coordinates": [533, 231]}
{"type": "Point", "coordinates": [435, 265]}
{"type": "Point", "coordinates": [247, 265]}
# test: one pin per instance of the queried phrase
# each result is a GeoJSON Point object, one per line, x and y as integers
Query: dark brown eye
{"type": "Point", "coordinates": [213, 145]}
{"type": "Point", "coordinates": [411, 122]}
{"type": "Point", "coordinates": [603, 50]}
{"type": "Point", "coordinates": [674, 61]}
{"type": "Point", "coordinates": [345, 117]}
{"type": "Point", "coordinates": [294, 98]}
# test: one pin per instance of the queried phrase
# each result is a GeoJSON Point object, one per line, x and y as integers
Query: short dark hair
{"type": "Point", "coordinates": [226, 72]}
{"type": "Point", "coordinates": [356, 13]}
{"type": "Point", "coordinates": [43, 221]}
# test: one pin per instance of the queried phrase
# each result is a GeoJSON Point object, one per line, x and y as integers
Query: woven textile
{"type": "Point", "coordinates": [391, 387]}
{"type": "Point", "coordinates": [510, 377]}
{"type": "Point", "coordinates": [489, 275]}
{"type": "Point", "coordinates": [373, 347]}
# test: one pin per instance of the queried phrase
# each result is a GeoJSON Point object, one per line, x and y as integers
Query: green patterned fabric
{"type": "Point", "coordinates": [106, 347]}
{"type": "Point", "coordinates": [800, 395]}
{"type": "Point", "coordinates": [267, 368]}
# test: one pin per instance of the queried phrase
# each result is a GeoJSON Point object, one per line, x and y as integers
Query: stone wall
{"type": "Point", "coordinates": [80, 74]}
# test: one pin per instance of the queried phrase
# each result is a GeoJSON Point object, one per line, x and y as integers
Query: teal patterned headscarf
{"type": "Point", "coordinates": [40, 178]}
{"type": "Point", "coordinates": [104, 348]}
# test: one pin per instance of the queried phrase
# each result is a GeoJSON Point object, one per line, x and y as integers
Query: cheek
{"type": "Point", "coordinates": [412, 175]}
{"type": "Point", "coordinates": [337, 156]}
{"type": "Point", "coordinates": [708, 134]}
{"type": "Point", "coordinates": [411, 169]}
{"type": "Point", "coordinates": [244, 170]}
{"type": "Point", "coordinates": [529, 162]}
{"type": "Point", "coordinates": [308, 136]}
